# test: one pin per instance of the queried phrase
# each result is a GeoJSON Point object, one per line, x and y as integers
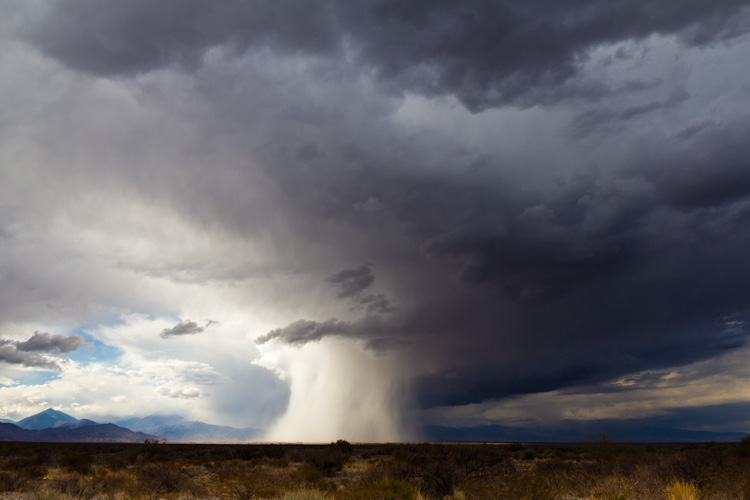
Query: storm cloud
{"type": "Point", "coordinates": [492, 199]}
{"type": "Point", "coordinates": [486, 53]}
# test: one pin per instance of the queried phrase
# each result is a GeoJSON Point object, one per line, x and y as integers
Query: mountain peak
{"type": "Point", "coordinates": [46, 419]}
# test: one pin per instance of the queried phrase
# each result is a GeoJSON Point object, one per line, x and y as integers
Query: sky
{"type": "Point", "coordinates": [351, 219]}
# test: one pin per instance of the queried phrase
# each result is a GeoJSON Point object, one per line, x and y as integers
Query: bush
{"type": "Point", "coordinates": [11, 481]}
{"type": "Point", "coordinates": [744, 446]}
{"type": "Point", "coordinates": [162, 478]}
{"type": "Point", "coordinates": [75, 486]}
{"type": "Point", "coordinates": [329, 459]}
{"type": "Point", "coordinates": [387, 489]}
{"type": "Point", "coordinates": [304, 494]}
{"type": "Point", "coordinates": [438, 469]}
{"type": "Point", "coordinates": [79, 462]}
{"type": "Point", "coordinates": [680, 490]}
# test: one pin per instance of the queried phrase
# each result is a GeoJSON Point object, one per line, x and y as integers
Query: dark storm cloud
{"type": "Point", "coordinates": [486, 53]}
{"type": "Point", "coordinates": [599, 121]}
{"type": "Point", "coordinates": [30, 352]}
{"type": "Point", "coordinates": [607, 272]}
{"type": "Point", "coordinates": [116, 38]}
{"type": "Point", "coordinates": [351, 282]}
{"type": "Point", "coordinates": [377, 303]}
{"type": "Point", "coordinates": [511, 276]}
{"type": "Point", "coordinates": [184, 328]}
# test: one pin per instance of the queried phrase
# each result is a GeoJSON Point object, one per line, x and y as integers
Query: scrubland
{"type": "Point", "coordinates": [341, 471]}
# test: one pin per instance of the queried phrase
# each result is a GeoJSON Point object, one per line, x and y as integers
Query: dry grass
{"type": "Point", "coordinates": [340, 471]}
{"type": "Point", "coordinates": [680, 490]}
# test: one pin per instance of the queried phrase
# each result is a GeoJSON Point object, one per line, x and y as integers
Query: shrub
{"type": "Point", "coordinates": [387, 489]}
{"type": "Point", "coordinates": [162, 478]}
{"type": "Point", "coordinates": [329, 460]}
{"type": "Point", "coordinates": [744, 446]}
{"type": "Point", "coordinates": [304, 494]}
{"type": "Point", "coordinates": [79, 462]}
{"type": "Point", "coordinates": [75, 486]}
{"type": "Point", "coordinates": [11, 481]}
{"type": "Point", "coordinates": [680, 490]}
{"type": "Point", "coordinates": [438, 469]}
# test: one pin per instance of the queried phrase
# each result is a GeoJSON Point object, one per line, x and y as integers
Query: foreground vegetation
{"type": "Point", "coordinates": [598, 470]}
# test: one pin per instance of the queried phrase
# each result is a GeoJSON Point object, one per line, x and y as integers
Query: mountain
{"type": "Point", "coordinates": [7, 421]}
{"type": "Point", "coordinates": [577, 434]}
{"type": "Point", "coordinates": [91, 433]}
{"type": "Point", "coordinates": [46, 419]}
{"type": "Point", "coordinates": [78, 423]}
{"type": "Point", "coordinates": [176, 428]}
{"type": "Point", "coordinates": [151, 423]}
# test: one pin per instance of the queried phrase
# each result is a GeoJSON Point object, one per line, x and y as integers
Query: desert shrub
{"type": "Point", "coordinates": [386, 489]}
{"type": "Point", "coordinates": [115, 462]}
{"type": "Point", "coordinates": [732, 484]}
{"type": "Point", "coordinates": [680, 490]}
{"type": "Point", "coordinates": [11, 481]}
{"type": "Point", "coordinates": [254, 484]}
{"type": "Point", "coordinates": [343, 446]}
{"type": "Point", "coordinates": [49, 495]}
{"type": "Point", "coordinates": [329, 459]}
{"type": "Point", "coordinates": [304, 494]}
{"type": "Point", "coordinates": [80, 462]}
{"type": "Point", "coordinates": [162, 478]}
{"type": "Point", "coordinates": [743, 448]}
{"type": "Point", "coordinates": [438, 469]}
{"type": "Point", "coordinates": [612, 488]}
{"type": "Point", "coordinates": [75, 486]}
{"type": "Point", "coordinates": [697, 466]}
{"type": "Point", "coordinates": [110, 483]}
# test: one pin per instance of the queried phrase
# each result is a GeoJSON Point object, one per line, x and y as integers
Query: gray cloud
{"type": "Point", "coordinates": [185, 328]}
{"type": "Point", "coordinates": [377, 303]}
{"type": "Point", "coordinates": [351, 282]}
{"type": "Point", "coordinates": [486, 53]}
{"type": "Point", "coordinates": [301, 332]}
{"type": "Point", "coordinates": [30, 352]}
{"type": "Point", "coordinates": [53, 344]}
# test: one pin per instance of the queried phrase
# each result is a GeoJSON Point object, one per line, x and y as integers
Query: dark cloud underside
{"type": "Point", "coordinates": [484, 52]}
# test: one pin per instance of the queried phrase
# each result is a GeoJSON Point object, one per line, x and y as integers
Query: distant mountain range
{"type": "Point", "coordinates": [176, 428]}
{"type": "Point", "coordinates": [55, 426]}
{"type": "Point", "coordinates": [635, 434]}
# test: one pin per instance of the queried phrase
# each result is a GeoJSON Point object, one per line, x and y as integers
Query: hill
{"type": "Point", "coordinates": [92, 433]}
